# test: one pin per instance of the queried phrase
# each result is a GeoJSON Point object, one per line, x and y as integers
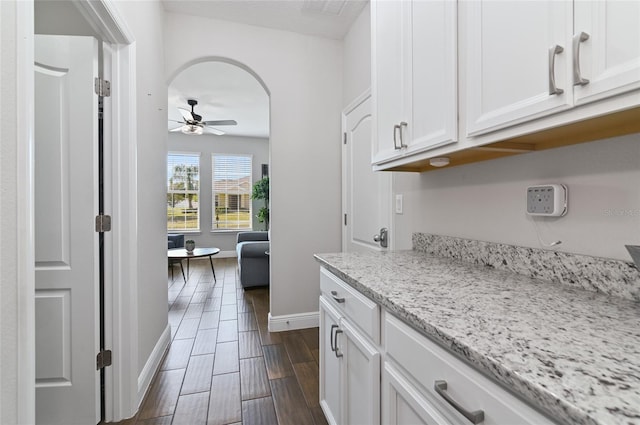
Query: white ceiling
{"type": "Point", "coordinates": [226, 91]}
{"type": "Point", "coordinates": [323, 18]}
{"type": "Point", "coordinates": [223, 92]}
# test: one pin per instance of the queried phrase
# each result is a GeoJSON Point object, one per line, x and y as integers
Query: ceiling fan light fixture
{"type": "Point", "coordinates": [192, 129]}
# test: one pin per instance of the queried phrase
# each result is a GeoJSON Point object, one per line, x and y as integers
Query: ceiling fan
{"type": "Point", "coordinates": [192, 123]}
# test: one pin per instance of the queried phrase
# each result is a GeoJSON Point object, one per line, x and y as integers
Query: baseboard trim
{"type": "Point", "coordinates": [153, 364]}
{"type": "Point", "coordinates": [289, 322]}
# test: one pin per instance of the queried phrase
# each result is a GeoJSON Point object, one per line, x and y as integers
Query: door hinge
{"type": "Point", "coordinates": [103, 223]}
{"type": "Point", "coordinates": [344, 138]}
{"type": "Point", "coordinates": [102, 87]}
{"type": "Point", "coordinates": [103, 359]}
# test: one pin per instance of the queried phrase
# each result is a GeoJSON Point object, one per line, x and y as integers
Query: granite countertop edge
{"type": "Point", "coordinates": [538, 396]}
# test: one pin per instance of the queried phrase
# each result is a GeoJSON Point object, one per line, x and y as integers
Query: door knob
{"type": "Point", "coordinates": [382, 238]}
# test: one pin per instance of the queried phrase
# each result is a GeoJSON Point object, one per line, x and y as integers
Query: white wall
{"type": "Point", "coordinates": [17, 346]}
{"type": "Point", "coordinates": [206, 145]}
{"type": "Point", "coordinates": [146, 19]}
{"type": "Point", "coordinates": [357, 57]}
{"type": "Point", "coordinates": [303, 75]}
{"type": "Point", "coordinates": [486, 201]}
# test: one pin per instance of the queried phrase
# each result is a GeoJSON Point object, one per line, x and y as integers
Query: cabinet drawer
{"type": "Point", "coordinates": [348, 301]}
{"type": "Point", "coordinates": [426, 362]}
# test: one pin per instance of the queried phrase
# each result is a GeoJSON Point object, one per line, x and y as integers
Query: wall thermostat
{"type": "Point", "coordinates": [549, 200]}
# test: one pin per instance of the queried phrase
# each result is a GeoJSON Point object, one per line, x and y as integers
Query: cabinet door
{"type": "Point", "coordinates": [361, 377]}
{"type": "Point", "coordinates": [330, 365]}
{"type": "Point", "coordinates": [389, 86]}
{"type": "Point", "coordinates": [432, 72]}
{"type": "Point", "coordinates": [403, 404]}
{"type": "Point", "coordinates": [610, 58]}
{"type": "Point", "coordinates": [508, 63]}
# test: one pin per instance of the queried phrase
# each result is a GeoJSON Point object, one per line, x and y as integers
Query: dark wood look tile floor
{"type": "Point", "coordinates": [223, 365]}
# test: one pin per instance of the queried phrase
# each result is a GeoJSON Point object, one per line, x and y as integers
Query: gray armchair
{"type": "Point", "coordinates": [176, 241]}
{"type": "Point", "coordinates": [253, 260]}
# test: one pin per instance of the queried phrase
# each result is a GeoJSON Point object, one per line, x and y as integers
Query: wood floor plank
{"type": "Point", "coordinates": [277, 361]}
{"type": "Point", "coordinates": [318, 416]}
{"type": "Point", "coordinates": [259, 411]}
{"type": "Point", "coordinates": [178, 355]}
{"type": "Point", "coordinates": [227, 360]}
{"type": "Point", "coordinates": [228, 312]}
{"type": "Point", "coordinates": [266, 337]}
{"type": "Point", "coordinates": [198, 376]}
{"type": "Point", "coordinates": [296, 347]}
{"type": "Point", "coordinates": [307, 374]}
{"type": "Point", "coordinates": [247, 322]}
{"type": "Point", "coordinates": [249, 343]}
{"type": "Point", "coordinates": [209, 319]}
{"type": "Point", "coordinates": [163, 394]}
{"type": "Point", "coordinates": [311, 337]}
{"type": "Point", "coordinates": [163, 420]}
{"type": "Point", "coordinates": [188, 328]}
{"type": "Point", "coordinates": [205, 342]}
{"type": "Point", "coordinates": [192, 409]}
{"type": "Point", "coordinates": [194, 310]}
{"type": "Point", "coordinates": [224, 402]}
{"type": "Point", "coordinates": [291, 407]}
{"type": "Point", "coordinates": [253, 376]}
{"type": "Point", "coordinates": [228, 331]}
{"type": "Point", "coordinates": [316, 355]}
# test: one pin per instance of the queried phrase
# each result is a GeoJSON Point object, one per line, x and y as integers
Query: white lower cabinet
{"type": "Point", "coordinates": [349, 357]}
{"type": "Point", "coordinates": [403, 378]}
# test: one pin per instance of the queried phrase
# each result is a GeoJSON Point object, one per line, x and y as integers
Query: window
{"type": "Point", "coordinates": [231, 175]}
{"type": "Point", "coordinates": [183, 191]}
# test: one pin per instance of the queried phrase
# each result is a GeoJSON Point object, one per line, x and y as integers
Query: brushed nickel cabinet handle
{"type": "Point", "coordinates": [475, 417]}
{"type": "Point", "coordinates": [553, 51]}
{"type": "Point", "coordinates": [395, 138]}
{"type": "Point", "coordinates": [402, 126]}
{"type": "Point", "coordinates": [335, 335]}
{"type": "Point", "coordinates": [577, 75]}
{"type": "Point", "coordinates": [333, 327]}
{"type": "Point", "coordinates": [335, 296]}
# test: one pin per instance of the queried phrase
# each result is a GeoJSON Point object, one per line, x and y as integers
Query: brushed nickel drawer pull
{"type": "Point", "coordinates": [395, 139]}
{"type": "Point", "coordinates": [475, 417]}
{"type": "Point", "coordinates": [335, 296]}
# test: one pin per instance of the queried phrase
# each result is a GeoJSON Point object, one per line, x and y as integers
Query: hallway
{"type": "Point", "coordinates": [223, 366]}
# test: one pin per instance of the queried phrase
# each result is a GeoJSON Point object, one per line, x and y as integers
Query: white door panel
{"type": "Point", "coordinates": [366, 194]}
{"type": "Point", "coordinates": [67, 323]}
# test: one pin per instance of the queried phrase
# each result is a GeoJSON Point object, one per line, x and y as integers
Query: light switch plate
{"type": "Point", "coordinates": [547, 200]}
{"type": "Point", "coordinates": [399, 200]}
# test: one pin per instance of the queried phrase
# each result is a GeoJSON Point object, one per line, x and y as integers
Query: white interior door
{"type": "Point", "coordinates": [66, 252]}
{"type": "Point", "coordinates": [366, 194]}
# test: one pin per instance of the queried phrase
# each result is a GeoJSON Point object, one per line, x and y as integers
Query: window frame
{"type": "Point", "coordinates": [186, 192]}
{"type": "Point", "coordinates": [249, 201]}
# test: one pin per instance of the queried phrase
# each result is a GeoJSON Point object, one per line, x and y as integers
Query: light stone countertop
{"type": "Point", "coordinates": [572, 353]}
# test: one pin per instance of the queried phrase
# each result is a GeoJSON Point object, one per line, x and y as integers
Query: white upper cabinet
{"type": "Point", "coordinates": [414, 76]}
{"type": "Point", "coordinates": [529, 59]}
{"type": "Point", "coordinates": [608, 61]}
{"type": "Point", "coordinates": [517, 61]}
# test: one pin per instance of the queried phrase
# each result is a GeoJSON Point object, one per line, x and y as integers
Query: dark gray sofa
{"type": "Point", "coordinates": [253, 260]}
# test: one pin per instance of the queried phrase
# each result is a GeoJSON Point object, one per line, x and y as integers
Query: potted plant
{"type": "Point", "coordinates": [261, 191]}
{"type": "Point", "coordinates": [189, 245]}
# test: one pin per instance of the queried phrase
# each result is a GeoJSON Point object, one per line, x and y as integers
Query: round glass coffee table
{"type": "Point", "coordinates": [182, 254]}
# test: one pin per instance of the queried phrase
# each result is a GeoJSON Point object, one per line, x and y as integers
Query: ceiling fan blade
{"type": "Point", "coordinates": [221, 122]}
{"type": "Point", "coordinates": [179, 122]}
{"type": "Point", "coordinates": [215, 131]}
{"type": "Point", "coordinates": [175, 130]}
{"type": "Point", "coordinates": [186, 114]}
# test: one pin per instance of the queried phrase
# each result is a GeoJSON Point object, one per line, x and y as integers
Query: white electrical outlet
{"type": "Point", "coordinates": [549, 200]}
